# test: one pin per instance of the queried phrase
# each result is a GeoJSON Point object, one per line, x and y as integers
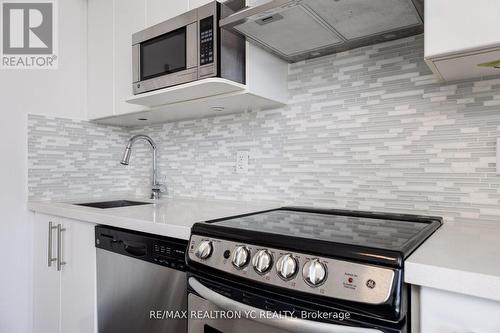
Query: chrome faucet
{"type": "Point", "coordinates": [156, 187]}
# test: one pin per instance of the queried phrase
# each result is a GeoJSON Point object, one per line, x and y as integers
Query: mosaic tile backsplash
{"type": "Point", "coordinates": [369, 129]}
{"type": "Point", "coordinates": [69, 159]}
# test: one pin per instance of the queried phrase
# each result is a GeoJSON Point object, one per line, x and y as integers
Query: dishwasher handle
{"type": "Point", "coordinates": [135, 250]}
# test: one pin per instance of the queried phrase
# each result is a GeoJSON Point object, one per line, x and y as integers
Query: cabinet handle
{"type": "Point", "coordinates": [60, 262]}
{"type": "Point", "coordinates": [50, 258]}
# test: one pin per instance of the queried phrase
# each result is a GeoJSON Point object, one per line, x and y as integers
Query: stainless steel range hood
{"type": "Point", "coordinates": [301, 29]}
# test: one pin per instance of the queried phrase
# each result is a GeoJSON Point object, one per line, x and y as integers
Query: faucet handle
{"type": "Point", "coordinates": [159, 188]}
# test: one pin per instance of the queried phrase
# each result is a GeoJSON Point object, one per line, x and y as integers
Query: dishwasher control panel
{"type": "Point", "coordinates": [169, 254]}
{"type": "Point", "coordinates": [164, 251]}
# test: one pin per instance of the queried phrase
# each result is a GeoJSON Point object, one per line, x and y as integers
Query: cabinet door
{"type": "Point", "coordinates": [130, 17]}
{"type": "Point", "coordinates": [161, 10]}
{"type": "Point", "coordinates": [78, 278]}
{"type": "Point", "coordinates": [100, 59]}
{"type": "Point", "coordinates": [455, 26]}
{"type": "Point", "coordinates": [46, 280]}
{"type": "Point", "coordinates": [447, 312]}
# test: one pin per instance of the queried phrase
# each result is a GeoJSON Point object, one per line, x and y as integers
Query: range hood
{"type": "Point", "coordinates": [296, 30]}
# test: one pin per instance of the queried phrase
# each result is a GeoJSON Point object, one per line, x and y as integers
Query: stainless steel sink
{"type": "Point", "coordinates": [113, 204]}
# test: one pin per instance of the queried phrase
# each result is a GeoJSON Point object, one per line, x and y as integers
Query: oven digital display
{"type": "Point", "coordinates": [164, 54]}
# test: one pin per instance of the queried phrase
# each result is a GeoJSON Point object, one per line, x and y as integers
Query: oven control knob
{"type": "Point", "coordinates": [286, 267]}
{"type": "Point", "coordinates": [241, 256]}
{"type": "Point", "coordinates": [314, 272]}
{"type": "Point", "coordinates": [262, 261]}
{"type": "Point", "coordinates": [204, 249]}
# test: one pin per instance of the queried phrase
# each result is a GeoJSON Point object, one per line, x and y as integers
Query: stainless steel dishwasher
{"type": "Point", "coordinates": [140, 279]}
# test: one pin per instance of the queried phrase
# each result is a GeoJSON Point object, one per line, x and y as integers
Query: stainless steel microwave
{"type": "Point", "coordinates": [187, 48]}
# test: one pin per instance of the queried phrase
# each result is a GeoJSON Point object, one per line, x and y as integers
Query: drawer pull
{"type": "Point", "coordinates": [50, 258]}
{"type": "Point", "coordinates": [60, 261]}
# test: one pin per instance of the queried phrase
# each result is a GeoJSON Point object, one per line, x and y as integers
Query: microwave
{"type": "Point", "coordinates": [187, 48]}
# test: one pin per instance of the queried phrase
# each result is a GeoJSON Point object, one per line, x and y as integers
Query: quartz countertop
{"type": "Point", "coordinates": [459, 257]}
{"type": "Point", "coordinates": [166, 217]}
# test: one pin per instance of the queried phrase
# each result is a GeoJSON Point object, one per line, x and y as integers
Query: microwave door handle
{"type": "Point", "coordinates": [289, 324]}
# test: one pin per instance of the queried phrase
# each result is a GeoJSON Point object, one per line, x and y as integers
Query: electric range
{"type": "Point", "coordinates": [302, 262]}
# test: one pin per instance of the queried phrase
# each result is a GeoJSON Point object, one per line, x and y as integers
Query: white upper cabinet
{"type": "Point", "coordinates": [461, 38]}
{"type": "Point", "coordinates": [100, 59]}
{"type": "Point", "coordinates": [160, 10]}
{"type": "Point", "coordinates": [455, 26]}
{"type": "Point", "coordinates": [130, 17]}
{"type": "Point", "coordinates": [111, 24]}
{"type": "Point", "coordinates": [197, 3]}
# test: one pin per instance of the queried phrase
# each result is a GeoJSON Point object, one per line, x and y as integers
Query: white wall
{"type": "Point", "coordinates": [57, 92]}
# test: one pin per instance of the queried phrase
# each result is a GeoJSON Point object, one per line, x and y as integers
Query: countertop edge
{"type": "Point", "coordinates": [453, 280]}
{"type": "Point", "coordinates": [165, 217]}
{"type": "Point", "coordinates": [169, 230]}
{"type": "Point", "coordinates": [460, 257]}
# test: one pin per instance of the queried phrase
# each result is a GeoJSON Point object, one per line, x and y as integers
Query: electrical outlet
{"type": "Point", "coordinates": [242, 161]}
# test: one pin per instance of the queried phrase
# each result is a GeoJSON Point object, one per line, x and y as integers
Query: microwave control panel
{"type": "Point", "coordinates": [207, 40]}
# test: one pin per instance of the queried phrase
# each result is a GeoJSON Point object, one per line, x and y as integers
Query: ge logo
{"type": "Point", "coordinates": [370, 284]}
{"type": "Point", "coordinates": [27, 27]}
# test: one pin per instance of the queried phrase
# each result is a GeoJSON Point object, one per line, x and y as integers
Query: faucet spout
{"type": "Point", "coordinates": [126, 156]}
{"type": "Point", "coordinates": [156, 187]}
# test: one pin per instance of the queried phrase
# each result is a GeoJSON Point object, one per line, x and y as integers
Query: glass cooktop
{"type": "Point", "coordinates": [379, 233]}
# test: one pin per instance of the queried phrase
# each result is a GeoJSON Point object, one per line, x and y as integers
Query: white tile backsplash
{"type": "Point", "coordinates": [70, 159]}
{"type": "Point", "coordinates": [369, 128]}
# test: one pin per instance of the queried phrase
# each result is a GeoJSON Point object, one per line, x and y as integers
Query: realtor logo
{"type": "Point", "coordinates": [29, 34]}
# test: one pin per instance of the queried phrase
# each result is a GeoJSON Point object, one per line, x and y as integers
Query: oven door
{"type": "Point", "coordinates": [208, 301]}
{"type": "Point", "coordinates": [209, 325]}
{"type": "Point", "coordinates": [166, 54]}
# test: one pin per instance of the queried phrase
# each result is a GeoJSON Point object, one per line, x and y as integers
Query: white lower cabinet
{"type": "Point", "coordinates": [46, 280]}
{"type": "Point", "coordinates": [64, 291]}
{"type": "Point", "coordinates": [447, 312]}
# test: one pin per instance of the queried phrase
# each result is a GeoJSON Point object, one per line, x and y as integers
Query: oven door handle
{"type": "Point", "coordinates": [289, 324]}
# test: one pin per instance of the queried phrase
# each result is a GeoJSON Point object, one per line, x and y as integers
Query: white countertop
{"type": "Point", "coordinates": [167, 217]}
{"type": "Point", "coordinates": [459, 257]}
